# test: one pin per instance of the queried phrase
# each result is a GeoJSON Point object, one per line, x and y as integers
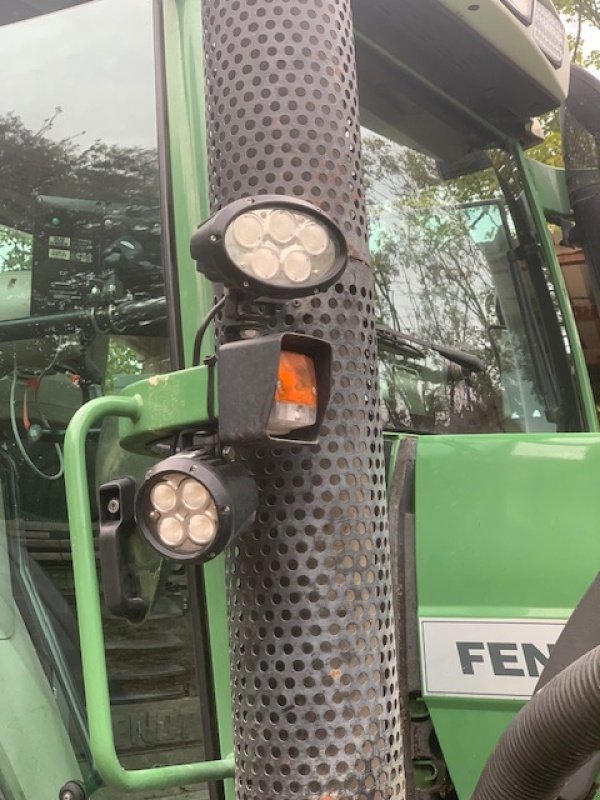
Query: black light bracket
{"type": "Point", "coordinates": [117, 526]}
{"type": "Point", "coordinates": [249, 369]}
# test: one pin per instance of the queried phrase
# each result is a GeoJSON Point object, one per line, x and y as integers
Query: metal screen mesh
{"type": "Point", "coordinates": [311, 621]}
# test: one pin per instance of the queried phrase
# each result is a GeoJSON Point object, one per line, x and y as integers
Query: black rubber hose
{"type": "Point", "coordinates": [551, 737]}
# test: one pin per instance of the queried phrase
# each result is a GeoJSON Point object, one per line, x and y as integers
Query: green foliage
{"type": "Point", "coordinates": [580, 16]}
{"type": "Point", "coordinates": [15, 250]}
{"type": "Point", "coordinates": [32, 162]}
{"type": "Point", "coordinates": [122, 360]}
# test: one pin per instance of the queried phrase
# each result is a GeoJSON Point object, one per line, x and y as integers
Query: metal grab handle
{"type": "Point", "coordinates": [91, 637]}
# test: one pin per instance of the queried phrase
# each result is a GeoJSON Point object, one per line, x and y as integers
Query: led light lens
{"type": "Point", "coordinates": [264, 263]}
{"type": "Point", "coordinates": [163, 497]}
{"type": "Point", "coordinates": [170, 531]}
{"type": "Point", "coordinates": [314, 239]}
{"type": "Point", "coordinates": [282, 226]}
{"type": "Point", "coordinates": [183, 514]}
{"type": "Point", "coordinates": [291, 249]}
{"type": "Point", "coordinates": [297, 266]}
{"type": "Point", "coordinates": [202, 529]}
{"type": "Point", "coordinates": [549, 33]}
{"type": "Point", "coordinates": [247, 230]}
{"type": "Point", "coordinates": [521, 8]}
{"type": "Point", "coordinates": [194, 495]}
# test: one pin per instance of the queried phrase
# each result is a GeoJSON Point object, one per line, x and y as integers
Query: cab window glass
{"type": "Point", "coordinates": [469, 337]}
{"type": "Point", "coordinates": [83, 313]}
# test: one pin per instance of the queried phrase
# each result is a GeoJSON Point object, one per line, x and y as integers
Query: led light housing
{"type": "Point", "coordinates": [550, 34]}
{"type": "Point", "coordinates": [190, 507]}
{"type": "Point", "coordinates": [270, 246]}
{"type": "Point", "coordinates": [288, 378]}
{"type": "Point", "coordinates": [523, 9]}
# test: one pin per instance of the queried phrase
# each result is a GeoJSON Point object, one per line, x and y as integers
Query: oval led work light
{"type": "Point", "coordinates": [270, 246]}
{"type": "Point", "coordinates": [190, 507]}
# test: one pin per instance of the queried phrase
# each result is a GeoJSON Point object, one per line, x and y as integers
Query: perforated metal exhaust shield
{"type": "Point", "coordinates": [311, 620]}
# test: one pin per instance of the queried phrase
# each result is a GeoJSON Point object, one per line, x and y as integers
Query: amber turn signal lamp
{"type": "Point", "coordinates": [288, 377]}
{"type": "Point", "coordinates": [295, 402]}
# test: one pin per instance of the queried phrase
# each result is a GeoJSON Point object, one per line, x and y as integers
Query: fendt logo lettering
{"type": "Point", "coordinates": [505, 658]}
{"type": "Point", "coordinates": [485, 657]}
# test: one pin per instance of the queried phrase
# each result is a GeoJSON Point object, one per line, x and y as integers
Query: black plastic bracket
{"type": "Point", "coordinates": [72, 790]}
{"type": "Point", "coordinates": [117, 523]}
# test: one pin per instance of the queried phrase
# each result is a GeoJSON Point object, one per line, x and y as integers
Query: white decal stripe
{"type": "Point", "coordinates": [467, 657]}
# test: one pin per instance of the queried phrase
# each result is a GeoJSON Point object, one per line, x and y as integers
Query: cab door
{"type": "Point", "coordinates": [83, 312]}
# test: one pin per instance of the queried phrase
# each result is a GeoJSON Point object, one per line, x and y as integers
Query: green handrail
{"type": "Point", "coordinates": [87, 593]}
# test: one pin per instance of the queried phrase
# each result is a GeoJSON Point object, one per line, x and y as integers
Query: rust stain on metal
{"type": "Point", "coordinates": [336, 674]}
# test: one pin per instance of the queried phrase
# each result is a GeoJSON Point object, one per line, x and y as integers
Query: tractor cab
{"type": "Point", "coordinates": [196, 583]}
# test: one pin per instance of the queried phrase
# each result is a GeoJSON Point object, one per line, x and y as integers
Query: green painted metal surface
{"type": "Point", "coordinates": [507, 527]}
{"type": "Point", "coordinates": [189, 159]}
{"type": "Point", "coordinates": [36, 756]}
{"type": "Point", "coordinates": [172, 402]}
{"type": "Point", "coordinates": [550, 186]}
{"type": "Point", "coordinates": [562, 296]}
{"type": "Point", "coordinates": [97, 696]}
{"type": "Point", "coordinates": [188, 155]}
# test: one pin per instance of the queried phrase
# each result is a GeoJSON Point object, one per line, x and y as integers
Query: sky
{"type": "Point", "coordinates": [78, 61]}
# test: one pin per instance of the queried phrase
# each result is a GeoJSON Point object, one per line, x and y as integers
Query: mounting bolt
{"type": "Point", "coordinates": [113, 507]}
{"type": "Point", "coordinates": [72, 790]}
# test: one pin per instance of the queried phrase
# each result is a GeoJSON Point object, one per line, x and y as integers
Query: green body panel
{"type": "Point", "coordinates": [498, 521]}
{"type": "Point", "coordinates": [170, 403]}
{"type": "Point", "coordinates": [586, 394]}
{"type": "Point", "coordinates": [550, 186]}
{"type": "Point", "coordinates": [184, 83]}
{"type": "Point", "coordinates": [36, 756]}
{"type": "Point", "coordinates": [102, 742]}
{"type": "Point", "coordinates": [184, 78]}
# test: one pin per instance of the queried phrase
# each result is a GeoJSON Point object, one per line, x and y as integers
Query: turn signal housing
{"type": "Point", "coordinates": [288, 378]}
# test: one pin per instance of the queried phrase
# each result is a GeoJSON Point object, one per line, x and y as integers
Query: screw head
{"type": "Point", "coordinates": [113, 507]}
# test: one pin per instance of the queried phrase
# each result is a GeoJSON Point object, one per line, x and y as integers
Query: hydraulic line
{"type": "Point", "coordinates": [17, 436]}
{"type": "Point", "coordinates": [552, 736]}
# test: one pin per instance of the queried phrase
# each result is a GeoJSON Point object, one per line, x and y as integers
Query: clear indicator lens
{"type": "Point", "coordinates": [281, 247]}
{"type": "Point", "coordinates": [163, 497]}
{"type": "Point", "coordinates": [194, 495]}
{"type": "Point", "coordinates": [202, 529]}
{"type": "Point", "coordinates": [288, 417]}
{"type": "Point", "coordinates": [171, 531]}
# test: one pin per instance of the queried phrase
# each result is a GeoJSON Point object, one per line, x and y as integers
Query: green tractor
{"type": "Point", "coordinates": [297, 408]}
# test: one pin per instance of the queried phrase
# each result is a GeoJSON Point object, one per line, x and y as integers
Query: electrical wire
{"type": "Point", "coordinates": [13, 422]}
{"type": "Point", "coordinates": [203, 328]}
